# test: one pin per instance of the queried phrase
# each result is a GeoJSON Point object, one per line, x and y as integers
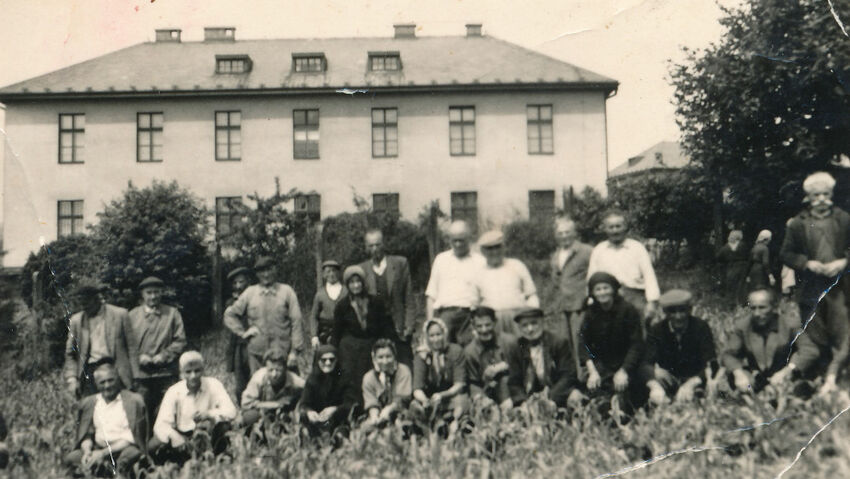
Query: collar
{"type": "Point", "coordinates": [270, 290]}
{"type": "Point", "coordinates": [670, 327]}
{"type": "Point", "coordinates": [772, 325]}
{"type": "Point", "coordinates": [149, 310]}
{"type": "Point", "coordinates": [103, 400]}
{"type": "Point", "coordinates": [380, 267]}
{"type": "Point", "coordinates": [196, 393]}
{"type": "Point", "coordinates": [621, 245]}
{"type": "Point", "coordinates": [820, 217]}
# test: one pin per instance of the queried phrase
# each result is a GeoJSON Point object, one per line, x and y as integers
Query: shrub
{"type": "Point", "coordinates": [586, 210]}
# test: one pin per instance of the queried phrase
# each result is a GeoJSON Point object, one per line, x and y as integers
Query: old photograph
{"type": "Point", "coordinates": [460, 238]}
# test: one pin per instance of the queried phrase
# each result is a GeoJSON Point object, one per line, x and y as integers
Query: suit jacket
{"type": "Point", "coordinates": [559, 375]}
{"type": "Point", "coordinates": [571, 280]}
{"type": "Point", "coordinates": [171, 340]}
{"type": "Point", "coordinates": [748, 349]}
{"type": "Point", "coordinates": [400, 288]}
{"type": "Point", "coordinates": [78, 344]}
{"type": "Point", "coordinates": [137, 418]}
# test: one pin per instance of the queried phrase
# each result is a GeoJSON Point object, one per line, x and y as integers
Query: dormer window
{"type": "Point", "coordinates": [232, 64]}
{"type": "Point", "coordinates": [309, 62]}
{"type": "Point", "coordinates": [384, 61]}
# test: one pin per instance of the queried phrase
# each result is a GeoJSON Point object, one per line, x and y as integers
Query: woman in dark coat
{"type": "Point", "coordinates": [359, 320]}
{"type": "Point", "coordinates": [328, 395]}
{"type": "Point", "coordinates": [759, 275]}
{"type": "Point", "coordinates": [733, 260]}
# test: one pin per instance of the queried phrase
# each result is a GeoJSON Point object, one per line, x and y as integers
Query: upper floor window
{"type": "Point", "coordinates": [149, 137]}
{"type": "Point", "coordinates": [309, 62]}
{"type": "Point", "coordinates": [540, 129]}
{"type": "Point", "coordinates": [69, 218]}
{"type": "Point", "coordinates": [462, 130]}
{"type": "Point", "coordinates": [227, 214]}
{"type": "Point", "coordinates": [309, 205]}
{"type": "Point", "coordinates": [383, 203]}
{"type": "Point", "coordinates": [233, 64]}
{"type": "Point", "coordinates": [228, 135]}
{"type": "Point", "coordinates": [384, 132]}
{"type": "Point", "coordinates": [541, 205]}
{"type": "Point", "coordinates": [305, 134]}
{"type": "Point", "coordinates": [72, 137]}
{"type": "Point", "coordinates": [384, 61]}
{"type": "Point", "coordinates": [465, 207]}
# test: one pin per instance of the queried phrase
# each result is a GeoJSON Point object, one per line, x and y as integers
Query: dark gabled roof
{"type": "Point", "coordinates": [666, 155]}
{"type": "Point", "coordinates": [166, 68]}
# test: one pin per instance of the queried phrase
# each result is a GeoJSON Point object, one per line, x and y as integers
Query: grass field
{"type": "Point", "coordinates": [722, 437]}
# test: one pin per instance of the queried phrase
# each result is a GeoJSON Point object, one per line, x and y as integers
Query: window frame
{"type": "Point", "coordinates": [72, 217]}
{"type": "Point", "coordinates": [245, 60]}
{"type": "Point", "coordinates": [384, 197]}
{"type": "Point", "coordinates": [227, 129]}
{"type": "Point", "coordinates": [540, 125]}
{"type": "Point", "coordinates": [462, 124]}
{"type": "Point", "coordinates": [383, 56]}
{"type": "Point", "coordinates": [313, 214]}
{"type": "Point", "coordinates": [305, 153]}
{"type": "Point", "coordinates": [384, 127]}
{"type": "Point", "coordinates": [307, 57]}
{"type": "Point", "coordinates": [533, 214]}
{"type": "Point", "coordinates": [76, 149]}
{"type": "Point", "coordinates": [231, 215]}
{"type": "Point", "coordinates": [464, 210]}
{"type": "Point", "coordinates": [150, 131]}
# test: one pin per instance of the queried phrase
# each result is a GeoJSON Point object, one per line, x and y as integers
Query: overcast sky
{"type": "Point", "coordinates": [628, 40]}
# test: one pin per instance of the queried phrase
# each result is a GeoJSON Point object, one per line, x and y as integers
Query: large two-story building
{"type": "Point", "coordinates": [490, 129]}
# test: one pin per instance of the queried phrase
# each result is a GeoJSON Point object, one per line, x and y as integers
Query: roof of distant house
{"type": "Point", "coordinates": [665, 155]}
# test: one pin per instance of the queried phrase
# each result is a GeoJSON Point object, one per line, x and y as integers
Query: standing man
{"type": "Point", "coordinates": [629, 262]}
{"type": "Point", "coordinates": [451, 293]}
{"type": "Point", "coordinates": [237, 354]}
{"type": "Point", "coordinates": [95, 333]}
{"type": "Point", "coordinates": [569, 266]}
{"type": "Point", "coordinates": [156, 340]}
{"type": "Point", "coordinates": [504, 284]}
{"type": "Point", "coordinates": [816, 246]}
{"type": "Point", "coordinates": [272, 314]}
{"type": "Point", "coordinates": [388, 278]}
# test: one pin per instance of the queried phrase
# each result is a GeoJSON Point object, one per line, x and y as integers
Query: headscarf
{"type": "Point", "coordinates": [321, 350]}
{"type": "Point", "coordinates": [602, 277]}
{"type": "Point", "coordinates": [435, 356]}
{"type": "Point", "coordinates": [326, 389]}
{"type": "Point", "coordinates": [764, 236]}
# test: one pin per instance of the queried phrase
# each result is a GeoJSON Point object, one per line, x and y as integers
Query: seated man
{"type": "Point", "coordinates": [388, 387]}
{"type": "Point", "coordinates": [112, 427]}
{"type": "Point", "coordinates": [539, 361]}
{"type": "Point", "coordinates": [196, 404]}
{"type": "Point", "coordinates": [486, 364]}
{"type": "Point", "coordinates": [272, 389]}
{"type": "Point", "coordinates": [679, 350]}
{"type": "Point", "coordinates": [757, 352]}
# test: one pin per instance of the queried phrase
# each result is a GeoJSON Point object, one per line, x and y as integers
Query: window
{"type": "Point", "coordinates": [72, 131]}
{"type": "Point", "coordinates": [305, 134]}
{"type": "Point", "coordinates": [462, 130]}
{"type": "Point", "coordinates": [384, 132]}
{"type": "Point", "coordinates": [69, 217]}
{"type": "Point", "coordinates": [540, 129]}
{"type": "Point", "coordinates": [227, 214]}
{"type": "Point", "coordinates": [541, 205]}
{"type": "Point", "coordinates": [384, 61]}
{"type": "Point", "coordinates": [465, 207]}
{"type": "Point", "coordinates": [233, 64]}
{"type": "Point", "coordinates": [309, 62]}
{"type": "Point", "coordinates": [228, 135]}
{"type": "Point", "coordinates": [383, 203]}
{"type": "Point", "coordinates": [149, 137]}
{"type": "Point", "coordinates": [309, 205]}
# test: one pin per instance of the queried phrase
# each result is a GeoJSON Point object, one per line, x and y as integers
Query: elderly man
{"type": "Point", "coordinates": [816, 246]}
{"type": "Point", "coordinates": [569, 264]}
{"type": "Point", "coordinates": [155, 340]}
{"type": "Point", "coordinates": [272, 314]}
{"type": "Point", "coordinates": [95, 333]}
{"type": "Point", "coordinates": [111, 427]}
{"type": "Point", "coordinates": [388, 278]}
{"type": "Point", "coordinates": [196, 403]}
{"type": "Point", "coordinates": [237, 354]}
{"type": "Point", "coordinates": [486, 360]}
{"type": "Point", "coordinates": [628, 261]}
{"type": "Point", "coordinates": [504, 284]}
{"type": "Point", "coordinates": [451, 293]}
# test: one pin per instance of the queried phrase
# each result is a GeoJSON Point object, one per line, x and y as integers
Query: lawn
{"type": "Point", "coordinates": [728, 436]}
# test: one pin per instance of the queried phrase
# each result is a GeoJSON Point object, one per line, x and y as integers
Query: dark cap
{"type": "Point", "coordinates": [88, 287]}
{"type": "Point", "coordinates": [263, 262]}
{"type": "Point", "coordinates": [674, 298]}
{"type": "Point", "coordinates": [331, 263]}
{"type": "Point", "coordinates": [151, 281]}
{"type": "Point", "coordinates": [602, 277]}
{"type": "Point", "coordinates": [236, 272]}
{"type": "Point", "coordinates": [529, 313]}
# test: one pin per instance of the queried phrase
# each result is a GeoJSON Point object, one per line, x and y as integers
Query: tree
{"type": "Point", "coordinates": [765, 106]}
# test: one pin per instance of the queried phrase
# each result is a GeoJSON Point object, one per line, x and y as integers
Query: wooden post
{"type": "Point", "coordinates": [217, 287]}
{"type": "Point", "coordinates": [320, 254]}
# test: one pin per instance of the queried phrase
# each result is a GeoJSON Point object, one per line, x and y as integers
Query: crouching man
{"type": "Point", "coordinates": [195, 408]}
{"type": "Point", "coordinates": [486, 362]}
{"type": "Point", "coordinates": [112, 427]}
{"type": "Point", "coordinates": [272, 390]}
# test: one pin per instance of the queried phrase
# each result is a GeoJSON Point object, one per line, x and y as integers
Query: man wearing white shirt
{"type": "Point", "coordinates": [451, 293]}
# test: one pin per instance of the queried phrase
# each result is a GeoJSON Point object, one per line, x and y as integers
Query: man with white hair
{"type": "Point", "coordinates": [816, 246]}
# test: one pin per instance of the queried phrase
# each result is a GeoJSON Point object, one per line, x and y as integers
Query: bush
{"type": "Point", "coordinates": [586, 210]}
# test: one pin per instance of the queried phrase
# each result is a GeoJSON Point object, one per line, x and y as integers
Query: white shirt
{"type": "Point", "coordinates": [628, 262]}
{"type": "Point", "coordinates": [380, 267]}
{"type": "Point", "coordinates": [452, 281]}
{"type": "Point", "coordinates": [178, 407]}
{"type": "Point", "coordinates": [110, 422]}
{"type": "Point", "coordinates": [508, 286]}
{"type": "Point", "coordinates": [98, 345]}
{"type": "Point", "coordinates": [563, 256]}
{"type": "Point", "coordinates": [333, 290]}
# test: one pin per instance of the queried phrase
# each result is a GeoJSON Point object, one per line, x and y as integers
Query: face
{"type": "Point", "coordinates": [327, 362]}
{"type": "Point", "coordinates": [494, 254]}
{"type": "Point", "coordinates": [678, 316]}
{"type": "Point", "coordinates": [761, 308]}
{"type": "Point", "coordinates": [459, 239]}
{"type": "Point", "coordinates": [531, 328]}
{"type": "Point", "coordinates": [91, 304]}
{"type": "Point", "coordinates": [355, 285]}
{"type": "Point", "coordinates": [565, 234]}
{"type": "Point", "coordinates": [152, 296]}
{"type": "Point", "coordinates": [436, 336]}
{"type": "Point", "coordinates": [384, 359]}
{"type": "Point", "coordinates": [192, 373]}
{"type": "Point", "coordinates": [240, 282]}
{"type": "Point", "coordinates": [603, 293]}
{"type": "Point", "coordinates": [615, 228]}
{"type": "Point", "coordinates": [484, 327]}
{"type": "Point", "coordinates": [375, 246]}
{"type": "Point", "coordinates": [106, 380]}
{"type": "Point", "coordinates": [330, 275]}
{"type": "Point", "coordinates": [266, 276]}
{"type": "Point", "coordinates": [276, 372]}
{"type": "Point", "coordinates": [819, 197]}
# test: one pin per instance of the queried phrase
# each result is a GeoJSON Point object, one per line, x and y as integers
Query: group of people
{"type": "Point", "coordinates": [610, 337]}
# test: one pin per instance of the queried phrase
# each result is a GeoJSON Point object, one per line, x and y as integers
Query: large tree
{"type": "Point", "coordinates": [766, 105]}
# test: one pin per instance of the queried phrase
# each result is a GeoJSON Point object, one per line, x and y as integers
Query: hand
{"type": "Point", "coordinates": [73, 385]}
{"type": "Point", "coordinates": [407, 335]}
{"type": "Point", "coordinates": [742, 380]}
{"type": "Point", "coordinates": [593, 381]}
{"type": "Point", "coordinates": [91, 458]}
{"type": "Point", "coordinates": [816, 267]}
{"type": "Point", "coordinates": [685, 393]}
{"type": "Point", "coordinates": [834, 268]}
{"type": "Point", "coordinates": [656, 394]}
{"type": "Point", "coordinates": [327, 413]}
{"type": "Point", "coordinates": [385, 414]}
{"type": "Point", "coordinates": [506, 405]}
{"type": "Point", "coordinates": [145, 360]}
{"type": "Point", "coordinates": [663, 376]}
{"type": "Point", "coordinates": [575, 398]}
{"type": "Point", "coordinates": [651, 310]}
{"type": "Point", "coordinates": [314, 341]}
{"type": "Point", "coordinates": [781, 376]}
{"type": "Point", "coordinates": [201, 416]}
{"type": "Point", "coordinates": [252, 331]}
{"type": "Point", "coordinates": [313, 416]}
{"type": "Point", "coordinates": [292, 360]}
{"type": "Point", "coordinates": [621, 380]}
{"type": "Point", "coordinates": [177, 440]}
{"type": "Point", "coordinates": [828, 386]}
{"type": "Point", "coordinates": [85, 447]}
{"type": "Point", "coordinates": [436, 399]}
{"type": "Point", "coordinates": [771, 279]}
{"type": "Point", "coordinates": [158, 359]}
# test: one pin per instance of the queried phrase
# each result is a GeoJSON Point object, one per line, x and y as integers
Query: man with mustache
{"type": "Point", "coordinates": [816, 246]}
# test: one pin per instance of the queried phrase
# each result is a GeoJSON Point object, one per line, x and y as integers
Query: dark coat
{"type": "Point", "coordinates": [78, 345]}
{"type": "Point", "coordinates": [401, 303]}
{"type": "Point", "coordinates": [137, 418]}
{"type": "Point", "coordinates": [683, 359]}
{"type": "Point", "coordinates": [353, 343]}
{"type": "Point", "coordinates": [611, 339]}
{"type": "Point", "coordinates": [559, 376]}
{"type": "Point", "coordinates": [571, 280]}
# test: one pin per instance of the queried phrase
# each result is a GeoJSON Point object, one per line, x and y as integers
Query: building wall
{"type": "Point", "coordinates": [502, 172]}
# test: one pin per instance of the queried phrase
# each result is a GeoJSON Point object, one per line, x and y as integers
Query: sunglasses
{"type": "Point", "coordinates": [327, 360]}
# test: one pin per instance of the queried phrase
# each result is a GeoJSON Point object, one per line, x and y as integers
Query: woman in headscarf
{"type": "Point", "coordinates": [387, 387]}
{"type": "Point", "coordinates": [733, 260]}
{"type": "Point", "coordinates": [439, 375]}
{"type": "Point", "coordinates": [359, 320]}
{"type": "Point", "coordinates": [328, 396]}
{"type": "Point", "coordinates": [759, 275]}
{"type": "Point", "coordinates": [611, 342]}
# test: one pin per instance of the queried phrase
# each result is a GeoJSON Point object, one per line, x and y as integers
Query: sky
{"type": "Point", "coordinates": [628, 40]}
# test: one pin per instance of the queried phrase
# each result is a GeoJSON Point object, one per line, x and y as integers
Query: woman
{"type": "Point", "coordinates": [611, 342]}
{"type": "Point", "coordinates": [439, 375]}
{"type": "Point", "coordinates": [359, 320]}
{"type": "Point", "coordinates": [324, 303]}
{"type": "Point", "coordinates": [328, 396]}
{"type": "Point", "coordinates": [733, 258]}
{"type": "Point", "coordinates": [387, 386]}
{"type": "Point", "coordinates": [759, 275]}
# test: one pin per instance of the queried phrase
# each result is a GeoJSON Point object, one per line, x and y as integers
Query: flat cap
{"type": "Point", "coordinates": [675, 297]}
{"type": "Point", "coordinates": [529, 313]}
{"type": "Point", "coordinates": [331, 263]}
{"type": "Point", "coordinates": [263, 262]}
{"type": "Point", "coordinates": [151, 281]}
{"type": "Point", "coordinates": [236, 272]}
{"type": "Point", "coordinates": [88, 287]}
{"type": "Point", "coordinates": [490, 239]}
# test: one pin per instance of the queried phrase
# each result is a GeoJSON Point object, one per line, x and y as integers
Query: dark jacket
{"type": "Point", "coordinates": [400, 302]}
{"type": "Point", "coordinates": [426, 378]}
{"type": "Point", "coordinates": [769, 351]}
{"type": "Point", "coordinates": [559, 375]}
{"type": "Point", "coordinates": [378, 323]}
{"type": "Point", "coordinates": [137, 418]}
{"type": "Point", "coordinates": [611, 339]}
{"type": "Point", "coordinates": [478, 357]}
{"type": "Point", "coordinates": [571, 280]}
{"type": "Point", "coordinates": [332, 389]}
{"type": "Point", "coordinates": [78, 345]}
{"type": "Point", "coordinates": [683, 358]}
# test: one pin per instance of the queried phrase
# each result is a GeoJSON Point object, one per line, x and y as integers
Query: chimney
{"type": "Point", "coordinates": [219, 34]}
{"type": "Point", "coordinates": [659, 158]}
{"type": "Point", "coordinates": [473, 30]}
{"type": "Point", "coordinates": [165, 35]}
{"type": "Point", "coordinates": [405, 30]}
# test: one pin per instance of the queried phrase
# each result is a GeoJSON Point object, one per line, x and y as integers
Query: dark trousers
{"type": "Point", "coordinates": [459, 322]}
{"type": "Point", "coordinates": [152, 390]}
{"type": "Point", "coordinates": [124, 461]}
{"type": "Point", "coordinates": [205, 436]}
